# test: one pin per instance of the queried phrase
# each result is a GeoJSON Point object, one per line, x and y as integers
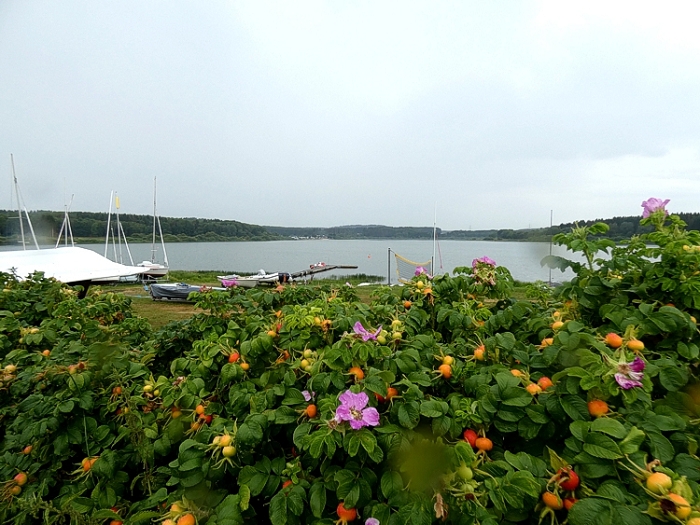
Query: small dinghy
{"type": "Point", "coordinates": [177, 291]}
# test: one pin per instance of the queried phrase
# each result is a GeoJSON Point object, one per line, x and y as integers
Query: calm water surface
{"type": "Point", "coordinates": [521, 258]}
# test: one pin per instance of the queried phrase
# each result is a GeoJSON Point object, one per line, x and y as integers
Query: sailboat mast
{"type": "Point", "coordinates": [69, 230]}
{"type": "Point", "coordinates": [434, 239]}
{"type": "Point", "coordinates": [31, 228]}
{"type": "Point", "coordinates": [109, 218]}
{"type": "Point", "coordinates": [119, 237]}
{"type": "Point", "coordinates": [153, 241]}
{"type": "Point", "coordinates": [19, 207]}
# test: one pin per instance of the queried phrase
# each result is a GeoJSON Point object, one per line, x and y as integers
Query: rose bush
{"type": "Point", "coordinates": [447, 401]}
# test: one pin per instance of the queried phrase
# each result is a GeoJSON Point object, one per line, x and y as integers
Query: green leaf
{"type": "Point", "coordinates": [254, 479]}
{"type": "Point", "coordinates": [555, 461]}
{"type": "Point", "coordinates": [375, 384]}
{"type": "Point", "coordinates": [631, 443]}
{"type": "Point", "coordinates": [82, 505]}
{"type": "Point", "coordinates": [346, 480]}
{"type": "Point", "coordinates": [244, 494]}
{"type": "Point", "coordinates": [187, 444]}
{"type": "Point", "coordinates": [250, 433]}
{"type": "Point", "coordinates": [278, 509]}
{"type": "Point", "coordinates": [612, 490]}
{"type": "Point", "coordinates": [317, 499]}
{"type": "Point", "coordinates": [367, 440]}
{"type": "Point", "coordinates": [352, 497]}
{"type": "Point", "coordinates": [516, 397]}
{"type": "Point", "coordinates": [611, 427]}
{"type": "Point", "coordinates": [528, 429]}
{"type": "Point", "coordinates": [409, 414]}
{"type": "Point", "coordinates": [506, 380]}
{"type": "Point", "coordinates": [575, 407]}
{"type": "Point", "coordinates": [353, 446]}
{"type": "Point", "coordinates": [592, 511]}
{"type": "Point", "coordinates": [660, 446]}
{"type": "Point", "coordinates": [391, 483]}
{"type": "Point", "coordinates": [433, 408]}
{"type": "Point", "coordinates": [285, 415]}
{"type": "Point", "coordinates": [537, 414]}
{"type": "Point", "coordinates": [672, 378]}
{"type": "Point", "coordinates": [145, 515]}
{"type": "Point", "coordinates": [441, 425]}
{"type": "Point", "coordinates": [66, 406]}
{"type": "Point", "coordinates": [631, 516]}
{"type": "Point", "coordinates": [228, 373]}
{"type": "Point", "coordinates": [228, 512]}
{"type": "Point", "coordinates": [579, 429]}
{"type": "Point", "coordinates": [300, 432]}
{"type": "Point", "coordinates": [574, 326]}
{"type": "Point", "coordinates": [601, 446]}
{"type": "Point", "coordinates": [295, 500]}
{"type": "Point", "coordinates": [688, 351]}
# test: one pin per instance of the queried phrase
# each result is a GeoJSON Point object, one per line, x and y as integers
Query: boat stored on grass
{"type": "Point", "coordinates": [178, 291]}
{"type": "Point", "coordinates": [262, 278]}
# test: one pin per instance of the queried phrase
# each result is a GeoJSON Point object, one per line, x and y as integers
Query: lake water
{"type": "Point", "coordinates": [521, 258]}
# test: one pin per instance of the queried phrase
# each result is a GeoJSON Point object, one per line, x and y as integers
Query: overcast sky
{"type": "Point", "coordinates": [335, 113]}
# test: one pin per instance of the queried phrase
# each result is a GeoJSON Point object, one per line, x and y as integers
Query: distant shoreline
{"type": "Point", "coordinates": [90, 228]}
{"type": "Point", "coordinates": [174, 240]}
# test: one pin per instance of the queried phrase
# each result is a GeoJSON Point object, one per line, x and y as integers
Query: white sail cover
{"type": "Point", "coordinates": [68, 265]}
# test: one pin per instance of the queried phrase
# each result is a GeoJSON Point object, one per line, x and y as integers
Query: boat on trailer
{"type": "Point", "coordinates": [178, 291]}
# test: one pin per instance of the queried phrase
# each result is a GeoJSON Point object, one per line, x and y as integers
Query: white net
{"type": "Point", "coordinates": [406, 270]}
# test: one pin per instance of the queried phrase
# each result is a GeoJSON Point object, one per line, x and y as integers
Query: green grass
{"type": "Point", "coordinates": [160, 313]}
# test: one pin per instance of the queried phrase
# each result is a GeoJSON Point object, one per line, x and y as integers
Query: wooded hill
{"type": "Point", "coordinates": [91, 227]}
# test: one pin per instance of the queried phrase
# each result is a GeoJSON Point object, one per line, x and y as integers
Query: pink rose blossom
{"type": "Point", "coordinates": [366, 335]}
{"type": "Point", "coordinates": [629, 375]}
{"type": "Point", "coordinates": [652, 205]}
{"type": "Point", "coordinates": [352, 409]}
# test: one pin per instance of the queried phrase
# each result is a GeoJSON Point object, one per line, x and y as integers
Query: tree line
{"type": "Point", "coordinates": [92, 227]}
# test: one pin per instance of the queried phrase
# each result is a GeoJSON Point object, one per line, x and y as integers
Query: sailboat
{"type": "Point", "coordinates": [20, 205]}
{"type": "Point", "coordinates": [66, 231]}
{"type": "Point", "coordinates": [155, 270]}
{"type": "Point", "coordinates": [120, 235]}
{"type": "Point", "coordinates": [70, 264]}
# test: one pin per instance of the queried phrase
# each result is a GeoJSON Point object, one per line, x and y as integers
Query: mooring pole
{"type": "Point", "coordinates": [388, 267]}
{"type": "Point", "coordinates": [551, 224]}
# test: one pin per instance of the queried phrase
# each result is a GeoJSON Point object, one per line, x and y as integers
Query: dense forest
{"type": "Point", "coordinates": [88, 226]}
{"type": "Point", "coordinates": [91, 227]}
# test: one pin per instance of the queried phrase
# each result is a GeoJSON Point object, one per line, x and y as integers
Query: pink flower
{"type": "Point", "coordinates": [422, 271]}
{"type": "Point", "coordinates": [352, 409]}
{"type": "Point", "coordinates": [653, 205]}
{"type": "Point", "coordinates": [485, 260]}
{"type": "Point", "coordinates": [307, 395]}
{"type": "Point", "coordinates": [371, 521]}
{"type": "Point", "coordinates": [484, 270]}
{"type": "Point", "coordinates": [366, 335]}
{"type": "Point", "coordinates": [629, 375]}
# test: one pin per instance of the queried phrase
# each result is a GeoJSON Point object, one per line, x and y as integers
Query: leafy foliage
{"type": "Point", "coordinates": [491, 410]}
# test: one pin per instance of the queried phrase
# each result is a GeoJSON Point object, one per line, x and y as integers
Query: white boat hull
{"type": "Point", "coordinates": [153, 269]}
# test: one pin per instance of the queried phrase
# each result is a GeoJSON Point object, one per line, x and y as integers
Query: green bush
{"type": "Point", "coordinates": [449, 401]}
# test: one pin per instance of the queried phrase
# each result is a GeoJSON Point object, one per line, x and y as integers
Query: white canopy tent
{"type": "Point", "coordinates": [68, 265]}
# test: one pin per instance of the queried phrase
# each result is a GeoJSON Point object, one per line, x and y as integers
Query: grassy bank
{"type": "Point", "coordinates": [160, 313]}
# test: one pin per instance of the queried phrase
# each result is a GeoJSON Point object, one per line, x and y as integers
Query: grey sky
{"type": "Point", "coordinates": [331, 113]}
